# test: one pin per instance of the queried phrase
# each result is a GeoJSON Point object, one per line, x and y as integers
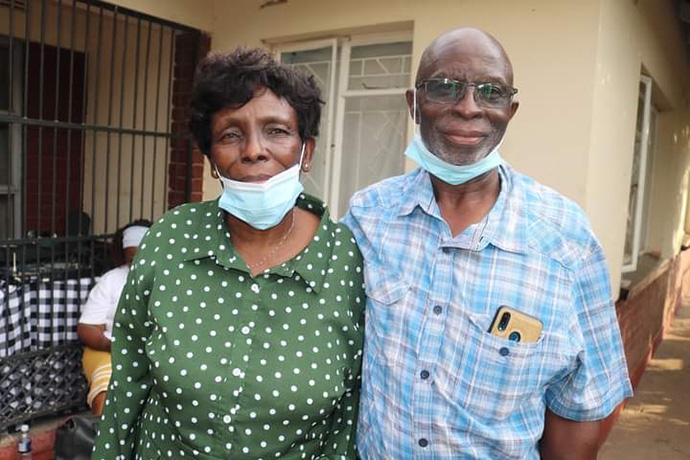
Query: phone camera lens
{"type": "Point", "coordinates": [514, 336]}
{"type": "Point", "coordinates": [503, 323]}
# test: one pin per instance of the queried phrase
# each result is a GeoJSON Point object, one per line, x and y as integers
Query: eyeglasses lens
{"type": "Point", "coordinates": [447, 91]}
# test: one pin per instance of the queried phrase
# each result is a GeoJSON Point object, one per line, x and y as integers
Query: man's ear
{"type": "Point", "coordinates": [513, 108]}
{"type": "Point", "coordinates": [409, 97]}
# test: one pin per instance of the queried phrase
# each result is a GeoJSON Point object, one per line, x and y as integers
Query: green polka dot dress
{"type": "Point", "coordinates": [211, 363]}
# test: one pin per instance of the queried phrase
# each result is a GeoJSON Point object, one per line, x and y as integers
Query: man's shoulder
{"type": "Point", "coordinates": [555, 224]}
{"type": "Point", "coordinates": [385, 193]}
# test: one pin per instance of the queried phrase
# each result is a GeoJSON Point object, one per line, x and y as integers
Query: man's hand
{"type": "Point", "coordinates": [92, 336]}
{"type": "Point", "coordinates": [565, 439]}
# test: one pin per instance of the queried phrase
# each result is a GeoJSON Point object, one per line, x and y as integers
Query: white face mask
{"type": "Point", "coordinates": [262, 205]}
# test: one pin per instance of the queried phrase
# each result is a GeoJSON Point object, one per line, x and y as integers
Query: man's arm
{"type": "Point", "coordinates": [565, 439]}
{"type": "Point", "coordinates": [599, 381]}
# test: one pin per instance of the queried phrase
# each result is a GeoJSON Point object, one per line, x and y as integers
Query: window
{"type": "Point", "coordinates": [10, 137]}
{"type": "Point", "coordinates": [364, 123]}
{"type": "Point", "coordinates": [641, 180]}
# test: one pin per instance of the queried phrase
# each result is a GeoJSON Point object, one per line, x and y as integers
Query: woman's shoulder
{"type": "Point", "coordinates": [189, 214]}
{"type": "Point", "coordinates": [184, 222]}
{"type": "Point", "coordinates": [185, 218]}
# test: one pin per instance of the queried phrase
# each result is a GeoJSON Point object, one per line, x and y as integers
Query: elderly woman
{"type": "Point", "coordinates": [239, 332]}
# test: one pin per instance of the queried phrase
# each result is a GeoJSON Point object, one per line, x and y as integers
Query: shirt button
{"type": "Point", "coordinates": [255, 288]}
{"type": "Point", "coordinates": [423, 442]}
{"type": "Point", "coordinates": [438, 309]}
{"type": "Point", "coordinates": [504, 351]}
{"type": "Point", "coordinates": [424, 375]}
{"type": "Point", "coordinates": [245, 330]}
{"type": "Point", "coordinates": [227, 419]}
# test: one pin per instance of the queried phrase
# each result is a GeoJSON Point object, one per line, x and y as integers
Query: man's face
{"type": "Point", "coordinates": [462, 133]}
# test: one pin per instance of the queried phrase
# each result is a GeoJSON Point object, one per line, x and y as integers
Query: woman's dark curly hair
{"type": "Point", "coordinates": [230, 80]}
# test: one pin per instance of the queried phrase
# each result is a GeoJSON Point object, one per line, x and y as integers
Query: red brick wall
{"type": "Point", "coordinates": [184, 66]}
{"type": "Point", "coordinates": [645, 315]}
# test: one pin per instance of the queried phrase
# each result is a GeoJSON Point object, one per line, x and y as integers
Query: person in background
{"type": "Point", "coordinates": [96, 322]}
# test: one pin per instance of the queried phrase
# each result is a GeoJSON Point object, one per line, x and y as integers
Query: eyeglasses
{"type": "Point", "coordinates": [449, 91]}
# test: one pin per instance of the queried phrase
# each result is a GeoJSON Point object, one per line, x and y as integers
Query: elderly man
{"type": "Point", "coordinates": [448, 245]}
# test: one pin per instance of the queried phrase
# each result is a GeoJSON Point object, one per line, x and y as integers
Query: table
{"type": "Point", "coordinates": [40, 356]}
{"type": "Point", "coordinates": [40, 314]}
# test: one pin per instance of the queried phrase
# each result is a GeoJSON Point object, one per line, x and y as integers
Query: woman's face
{"type": "Point", "coordinates": [258, 140]}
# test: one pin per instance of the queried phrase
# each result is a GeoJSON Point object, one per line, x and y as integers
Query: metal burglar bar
{"type": "Point", "coordinates": [87, 145]}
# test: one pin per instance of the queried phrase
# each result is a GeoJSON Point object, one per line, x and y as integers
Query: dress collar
{"type": "Point", "coordinates": [213, 241]}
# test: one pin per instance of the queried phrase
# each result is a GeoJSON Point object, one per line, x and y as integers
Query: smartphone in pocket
{"type": "Point", "coordinates": [515, 325]}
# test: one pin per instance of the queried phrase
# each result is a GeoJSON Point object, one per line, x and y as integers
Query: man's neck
{"type": "Point", "coordinates": [465, 204]}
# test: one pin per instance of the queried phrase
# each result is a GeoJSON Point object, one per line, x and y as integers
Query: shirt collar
{"type": "Point", "coordinates": [214, 241]}
{"type": "Point", "coordinates": [505, 226]}
{"type": "Point", "coordinates": [419, 193]}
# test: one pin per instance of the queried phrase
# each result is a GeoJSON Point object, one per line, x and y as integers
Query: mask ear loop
{"type": "Point", "coordinates": [414, 112]}
{"type": "Point", "coordinates": [301, 156]}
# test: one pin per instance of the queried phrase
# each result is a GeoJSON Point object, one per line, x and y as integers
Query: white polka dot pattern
{"type": "Point", "coordinates": [209, 362]}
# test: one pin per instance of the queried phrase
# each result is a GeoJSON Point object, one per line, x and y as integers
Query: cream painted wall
{"type": "Point", "coordinates": [193, 13]}
{"type": "Point", "coordinates": [577, 67]}
{"type": "Point", "coordinates": [671, 178]}
{"type": "Point", "coordinates": [550, 43]}
{"type": "Point", "coordinates": [633, 37]}
{"type": "Point", "coordinates": [51, 17]}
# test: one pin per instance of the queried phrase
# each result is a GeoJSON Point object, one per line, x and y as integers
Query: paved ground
{"type": "Point", "coordinates": [655, 424]}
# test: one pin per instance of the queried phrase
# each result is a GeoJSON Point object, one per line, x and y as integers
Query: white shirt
{"type": "Point", "coordinates": [103, 298]}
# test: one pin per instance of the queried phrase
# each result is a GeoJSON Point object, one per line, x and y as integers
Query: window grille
{"type": "Point", "coordinates": [92, 136]}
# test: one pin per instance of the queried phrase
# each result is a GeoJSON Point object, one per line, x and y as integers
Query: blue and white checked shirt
{"type": "Point", "coordinates": [436, 384]}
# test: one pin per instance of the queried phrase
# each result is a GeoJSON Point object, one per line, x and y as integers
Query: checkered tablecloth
{"type": "Point", "coordinates": [40, 314]}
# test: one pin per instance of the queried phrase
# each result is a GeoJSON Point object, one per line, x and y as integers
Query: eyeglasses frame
{"type": "Point", "coordinates": [508, 99]}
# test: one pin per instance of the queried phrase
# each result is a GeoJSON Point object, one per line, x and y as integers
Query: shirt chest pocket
{"type": "Point", "coordinates": [387, 310]}
{"type": "Point", "coordinates": [496, 376]}
{"type": "Point", "coordinates": [382, 286]}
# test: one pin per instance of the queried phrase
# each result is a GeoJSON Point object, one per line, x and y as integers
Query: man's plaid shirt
{"type": "Point", "coordinates": [436, 384]}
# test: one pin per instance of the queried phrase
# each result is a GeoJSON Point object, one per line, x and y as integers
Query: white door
{"type": "Point", "coordinates": [640, 168]}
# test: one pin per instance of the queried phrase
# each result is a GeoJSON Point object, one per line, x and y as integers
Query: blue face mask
{"type": "Point", "coordinates": [447, 172]}
{"type": "Point", "coordinates": [262, 205]}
